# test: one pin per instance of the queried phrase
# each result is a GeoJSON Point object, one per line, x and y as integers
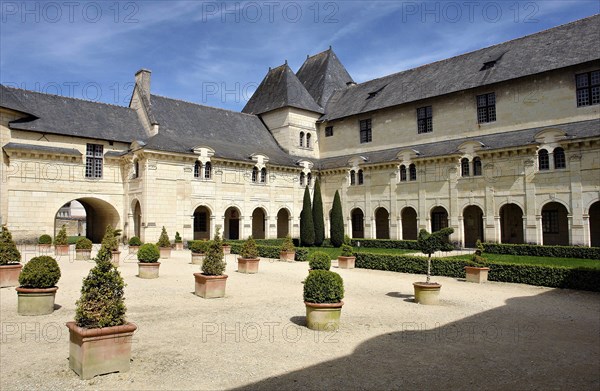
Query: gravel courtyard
{"type": "Point", "coordinates": [490, 336]}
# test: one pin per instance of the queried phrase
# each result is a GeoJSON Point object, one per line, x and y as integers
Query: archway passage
{"type": "Point", "coordinates": [202, 223]}
{"type": "Point", "coordinates": [283, 223]}
{"type": "Point", "coordinates": [511, 224]}
{"type": "Point", "coordinates": [231, 230]}
{"type": "Point", "coordinates": [358, 223]}
{"type": "Point", "coordinates": [439, 218]}
{"type": "Point", "coordinates": [258, 223]}
{"type": "Point", "coordinates": [92, 216]}
{"type": "Point", "coordinates": [137, 218]}
{"type": "Point", "coordinates": [595, 224]}
{"type": "Point", "coordinates": [555, 224]}
{"type": "Point", "coordinates": [409, 224]}
{"type": "Point", "coordinates": [473, 225]}
{"type": "Point", "coordinates": [382, 224]}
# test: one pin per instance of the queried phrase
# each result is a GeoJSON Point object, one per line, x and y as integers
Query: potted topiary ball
{"type": "Point", "coordinates": [477, 271]}
{"type": "Point", "coordinates": [428, 292]}
{"type": "Point", "coordinates": [83, 249]}
{"type": "Point", "coordinates": [288, 250]}
{"type": "Point", "coordinates": [10, 259]}
{"type": "Point", "coordinates": [44, 243]}
{"type": "Point", "coordinates": [198, 249]}
{"type": "Point", "coordinates": [134, 245]}
{"type": "Point", "coordinates": [319, 260]}
{"type": "Point", "coordinates": [100, 337]}
{"type": "Point", "coordinates": [211, 282]}
{"type": "Point", "coordinates": [111, 242]}
{"type": "Point", "coordinates": [61, 242]}
{"type": "Point", "coordinates": [37, 289]}
{"type": "Point", "coordinates": [165, 244]}
{"type": "Point", "coordinates": [148, 264]}
{"type": "Point", "coordinates": [323, 294]}
{"type": "Point", "coordinates": [249, 257]}
{"type": "Point", "coordinates": [347, 259]}
{"type": "Point", "coordinates": [178, 242]}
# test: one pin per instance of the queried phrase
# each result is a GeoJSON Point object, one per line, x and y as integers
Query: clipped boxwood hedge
{"type": "Point", "coordinates": [386, 243]}
{"type": "Point", "coordinates": [270, 251]}
{"type": "Point", "coordinates": [260, 242]}
{"type": "Point", "coordinates": [543, 251]}
{"type": "Point", "coordinates": [549, 276]}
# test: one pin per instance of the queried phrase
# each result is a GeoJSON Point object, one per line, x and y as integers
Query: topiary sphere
{"type": "Point", "coordinates": [319, 260]}
{"type": "Point", "coordinates": [83, 244]}
{"type": "Point", "coordinates": [199, 246]}
{"type": "Point", "coordinates": [135, 241]}
{"type": "Point", "coordinates": [323, 286]}
{"type": "Point", "coordinates": [45, 239]}
{"type": "Point", "coordinates": [40, 272]}
{"type": "Point", "coordinates": [148, 253]}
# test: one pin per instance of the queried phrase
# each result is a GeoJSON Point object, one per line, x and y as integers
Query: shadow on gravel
{"type": "Point", "coordinates": [298, 320]}
{"type": "Point", "coordinates": [526, 344]}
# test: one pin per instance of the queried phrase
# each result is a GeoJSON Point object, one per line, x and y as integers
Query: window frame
{"type": "Point", "coordinates": [589, 88]}
{"type": "Point", "coordinates": [560, 159]}
{"type": "Point", "coordinates": [301, 144]}
{"type": "Point", "coordinates": [425, 119]}
{"type": "Point", "coordinates": [543, 165]}
{"type": "Point", "coordinates": [263, 175]}
{"type": "Point", "coordinates": [360, 180]}
{"type": "Point", "coordinates": [94, 161]}
{"type": "Point", "coordinates": [328, 131]}
{"type": "Point", "coordinates": [489, 109]}
{"type": "Point", "coordinates": [412, 172]}
{"type": "Point", "coordinates": [550, 223]}
{"type": "Point", "coordinates": [403, 176]}
{"type": "Point", "coordinates": [254, 174]}
{"type": "Point", "coordinates": [365, 131]}
{"type": "Point", "coordinates": [465, 170]}
{"type": "Point", "coordinates": [302, 177]}
{"type": "Point", "coordinates": [207, 170]}
{"type": "Point", "coordinates": [477, 166]}
{"type": "Point", "coordinates": [308, 138]}
{"type": "Point", "coordinates": [352, 178]}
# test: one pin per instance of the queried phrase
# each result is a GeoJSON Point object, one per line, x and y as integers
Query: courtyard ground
{"type": "Point", "coordinates": [489, 336]}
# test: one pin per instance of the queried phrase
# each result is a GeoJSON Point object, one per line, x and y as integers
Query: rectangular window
{"type": "Point", "coordinates": [328, 131]}
{"type": "Point", "coordinates": [366, 134]}
{"type": "Point", "coordinates": [424, 120]}
{"type": "Point", "coordinates": [93, 161]}
{"type": "Point", "coordinates": [550, 221]}
{"type": "Point", "coordinates": [486, 108]}
{"type": "Point", "coordinates": [588, 88]}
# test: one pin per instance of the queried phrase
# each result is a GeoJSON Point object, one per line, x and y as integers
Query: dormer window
{"type": "Point", "coordinates": [255, 175]}
{"type": "Point", "coordinates": [361, 178]}
{"type": "Point", "coordinates": [302, 176]}
{"type": "Point", "coordinates": [543, 160]}
{"type": "Point", "coordinates": [307, 140]}
{"type": "Point", "coordinates": [136, 169]}
{"type": "Point", "coordinates": [559, 158]}
{"type": "Point", "coordinates": [352, 178]}
{"type": "Point", "coordinates": [488, 65]}
{"type": "Point", "coordinates": [464, 167]}
{"type": "Point", "coordinates": [301, 142]}
{"type": "Point", "coordinates": [263, 175]}
{"type": "Point", "coordinates": [403, 173]}
{"type": "Point", "coordinates": [197, 167]}
{"type": "Point", "coordinates": [309, 179]}
{"type": "Point", "coordinates": [207, 170]}
{"type": "Point", "coordinates": [374, 93]}
{"type": "Point", "coordinates": [412, 172]}
{"type": "Point", "coordinates": [477, 169]}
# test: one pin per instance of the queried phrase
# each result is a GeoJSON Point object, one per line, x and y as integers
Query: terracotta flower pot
{"type": "Point", "coordinates": [61, 249]}
{"type": "Point", "coordinates": [9, 274]}
{"type": "Point", "coordinates": [148, 270]}
{"type": "Point", "coordinates": [287, 256]}
{"type": "Point", "coordinates": [346, 262]}
{"type": "Point", "coordinates": [82, 254]}
{"type": "Point", "coordinates": [99, 351]}
{"type": "Point", "coordinates": [323, 317]}
{"type": "Point", "coordinates": [44, 248]}
{"type": "Point", "coordinates": [198, 258]}
{"type": "Point", "coordinates": [248, 265]}
{"type": "Point", "coordinates": [210, 287]}
{"type": "Point", "coordinates": [477, 274]}
{"type": "Point", "coordinates": [427, 293]}
{"type": "Point", "coordinates": [116, 258]}
{"type": "Point", "coordinates": [35, 301]}
{"type": "Point", "coordinates": [165, 252]}
{"type": "Point", "coordinates": [178, 246]}
{"type": "Point", "coordinates": [226, 249]}
{"type": "Point", "coordinates": [133, 250]}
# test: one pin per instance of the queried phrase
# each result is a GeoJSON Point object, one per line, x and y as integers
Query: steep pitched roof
{"type": "Point", "coordinates": [75, 117]}
{"type": "Point", "coordinates": [280, 88]}
{"type": "Point", "coordinates": [559, 47]}
{"type": "Point", "coordinates": [232, 135]}
{"type": "Point", "coordinates": [322, 74]}
{"type": "Point", "coordinates": [10, 101]}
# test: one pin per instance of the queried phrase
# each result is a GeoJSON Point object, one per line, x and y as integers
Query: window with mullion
{"type": "Point", "coordinates": [486, 108]}
{"type": "Point", "coordinates": [366, 133]}
{"type": "Point", "coordinates": [94, 161]}
{"type": "Point", "coordinates": [588, 88]}
{"type": "Point", "coordinates": [424, 120]}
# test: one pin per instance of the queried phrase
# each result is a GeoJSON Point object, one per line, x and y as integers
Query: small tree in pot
{"type": "Point", "coordinates": [319, 260]}
{"type": "Point", "coordinates": [111, 242]}
{"type": "Point", "coordinates": [428, 292]}
{"type": "Point", "coordinates": [44, 243]}
{"type": "Point", "coordinates": [148, 264]}
{"type": "Point", "coordinates": [288, 250]}
{"type": "Point", "coordinates": [347, 259]}
{"type": "Point", "coordinates": [211, 282]}
{"type": "Point", "coordinates": [178, 242]}
{"type": "Point", "coordinates": [61, 242]}
{"type": "Point", "coordinates": [134, 245]}
{"type": "Point", "coordinates": [323, 294]}
{"type": "Point", "coordinates": [164, 243]}
{"type": "Point", "coordinates": [37, 289]}
{"type": "Point", "coordinates": [83, 249]}
{"type": "Point", "coordinates": [198, 249]}
{"type": "Point", "coordinates": [477, 271]}
{"type": "Point", "coordinates": [249, 257]}
{"type": "Point", "coordinates": [10, 259]}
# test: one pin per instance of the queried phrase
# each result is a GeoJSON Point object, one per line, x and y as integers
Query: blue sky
{"type": "Point", "coordinates": [216, 53]}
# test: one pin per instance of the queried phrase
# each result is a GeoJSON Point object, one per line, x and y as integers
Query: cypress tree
{"type": "Point", "coordinates": [307, 228]}
{"type": "Point", "coordinates": [336, 232]}
{"type": "Point", "coordinates": [317, 212]}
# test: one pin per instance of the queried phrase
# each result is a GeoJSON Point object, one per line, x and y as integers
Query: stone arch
{"type": "Point", "coordinates": [555, 224]}
{"type": "Point", "coordinates": [259, 223]}
{"type": "Point", "coordinates": [136, 211]}
{"type": "Point", "coordinates": [382, 223]}
{"type": "Point", "coordinates": [594, 216]}
{"type": "Point", "coordinates": [357, 217]}
{"type": "Point", "coordinates": [202, 217]}
{"type": "Point", "coordinates": [231, 220]}
{"type": "Point", "coordinates": [410, 226]}
{"type": "Point", "coordinates": [472, 225]}
{"type": "Point", "coordinates": [98, 214]}
{"type": "Point", "coordinates": [511, 224]}
{"type": "Point", "coordinates": [283, 222]}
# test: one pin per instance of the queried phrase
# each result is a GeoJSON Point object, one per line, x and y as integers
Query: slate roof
{"type": "Point", "coordinates": [42, 148]}
{"type": "Point", "coordinates": [574, 130]}
{"type": "Point", "coordinates": [322, 74]}
{"type": "Point", "coordinates": [280, 88]}
{"type": "Point", "coordinates": [75, 117]}
{"type": "Point", "coordinates": [232, 135]}
{"type": "Point", "coordinates": [10, 101]}
{"type": "Point", "coordinates": [559, 47]}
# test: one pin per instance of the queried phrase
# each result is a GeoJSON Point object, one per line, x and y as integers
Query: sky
{"type": "Point", "coordinates": [216, 53]}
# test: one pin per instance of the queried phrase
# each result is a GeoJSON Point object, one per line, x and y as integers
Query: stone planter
{"type": "Point", "coordinates": [323, 317]}
{"type": "Point", "coordinates": [178, 246]}
{"type": "Point", "coordinates": [198, 258]}
{"type": "Point", "coordinates": [477, 274]}
{"type": "Point", "coordinates": [32, 301]}
{"type": "Point", "coordinates": [248, 265]}
{"type": "Point", "coordinates": [61, 249]}
{"type": "Point", "coordinates": [210, 287]}
{"type": "Point", "coordinates": [95, 352]}
{"type": "Point", "coordinates": [346, 262]}
{"type": "Point", "coordinates": [226, 249]}
{"type": "Point", "coordinates": [148, 270]}
{"type": "Point", "coordinates": [287, 256]}
{"type": "Point", "coordinates": [9, 274]}
{"type": "Point", "coordinates": [44, 248]}
{"type": "Point", "coordinates": [83, 254]}
{"type": "Point", "coordinates": [116, 258]}
{"type": "Point", "coordinates": [133, 250]}
{"type": "Point", "coordinates": [165, 252]}
{"type": "Point", "coordinates": [427, 293]}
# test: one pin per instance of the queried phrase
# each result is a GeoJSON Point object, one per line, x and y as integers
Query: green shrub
{"type": "Point", "coordinates": [61, 238]}
{"type": "Point", "coordinates": [336, 230]}
{"type": "Point", "coordinates": [271, 251]}
{"type": "Point", "coordinates": [110, 240]}
{"type": "Point", "coordinates": [40, 272]}
{"type": "Point", "coordinates": [177, 237]}
{"type": "Point", "coordinates": [319, 260]}
{"type": "Point", "coordinates": [101, 303]}
{"type": "Point", "coordinates": [148, 253]}
{"type": "Point", "coordinates": [199, 246]}
{"type": "Point", "coordinates": [387, 243]}
{"type": "Point", "coordinates": [163, 240]}
{"type": "Point", "coordinates": [307, 226]}
{"type": "Point", "coordinates": [288, 244]}
{"type": "Point", "coordinates": [83, 244]}
{"type": "Point", "coordinates": [249, 249]}
{"type": "Point", "coordinates": [8, 248]}
{"type": "Point", "coordinates": [543, 251]}
{"type": "Point", "coordinates": [213, 264]}
{"type": "Point", "coordinates": [323, 286]}
{"type": "Point", "coordinates": [431, 242]}
{"type": "Point", "coordinates": [135, 241]}
{"type": "Point", "coordinates": [347, 251]}
{"type": "Point", "coordinates": [45, 239]}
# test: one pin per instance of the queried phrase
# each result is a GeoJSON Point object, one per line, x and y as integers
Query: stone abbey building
{"type": "Point", "coordinates": [502, 144]}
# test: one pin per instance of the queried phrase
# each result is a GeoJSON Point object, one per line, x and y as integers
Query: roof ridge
{"type": "Point", "coordinates": [201, 105]}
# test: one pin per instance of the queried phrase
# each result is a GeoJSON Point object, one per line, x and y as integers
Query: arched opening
{"type": "Point", "coordinates": [382, 224]}
{"type": "Point", "coordinates": [511, 224]}
{"type": "Point", "coordinates": [439, 218]}
{"type": "Point", "coordinates": [202, 223]}
{"type": "Point", "coordinates": [543, 160]}
{"type": "Point", "coordinates": [307, 140]}
{"type": "Point", "coordinates": [259, 221]}
{"type": "Point", "coordinates": [352, 178]}
{"type": "Point", "coordinates": [358, 223]}
{"type": "Point", "coordinates": [232, 224]}
{"type": "Point", "coordinates": [301, 141]}
{"type": "Point", "coordinates": [595, 224]}
{"type": "Point", "coordinates": [137, 218]}
{"type": "Point", "coordinates": [464, 167]}
{"type": "Point", "coordinates": [412, 171]}
{"type": "Point", "coordinates": [361, 178]}
{"type": "Point", "coordinates": [87, 217]}
{"type": "Point", "coordinates": [283, 223]}
{"type": "Point", "coordinates": [409, 224]}
{"type": "Point", "coordinates": [473, 225]}
{"type": "Point", "coordinates": [403, 173]}
{"type": "Point", "coordinates": [555, 224]}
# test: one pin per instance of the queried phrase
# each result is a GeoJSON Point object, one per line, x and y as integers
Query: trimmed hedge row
{"type": "Point", "coordinates": [549, 276]}
{"type": "Point", "coordinates": [543, 251]}
{"type": "Point", "coordinates": [271, 251]}
{"type": "Point", "coordinates": [262, 242]}
{"type": "Point", "coordinates": [386, 243]}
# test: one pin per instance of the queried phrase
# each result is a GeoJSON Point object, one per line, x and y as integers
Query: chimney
{"type": "Point", "coordinates": [142, 79]}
